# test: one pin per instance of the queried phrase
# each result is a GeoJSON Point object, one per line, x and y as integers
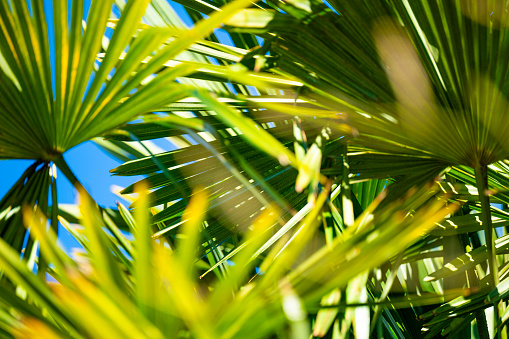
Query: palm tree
{"type": "Point", "coordinates": [381, 98]}
{"type": "Point", "coordinates": [446, 98]}
{"type": "Point", "coordinates": [59, 90]}
{"type": "Point", "coordinates": [143, 288]}
{"type": "Point", "coordinates": [423, 84]}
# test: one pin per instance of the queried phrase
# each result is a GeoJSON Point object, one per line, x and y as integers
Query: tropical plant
{"type": "Point", "coordinates": [340, 102]}
{"type": "Point", "coordinates": [145, 288]}
{"type": "Point", "coordinates": [59, 92]}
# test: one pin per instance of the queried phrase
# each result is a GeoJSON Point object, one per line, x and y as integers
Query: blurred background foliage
{"type": "Point", "coordinates": [338, 169]}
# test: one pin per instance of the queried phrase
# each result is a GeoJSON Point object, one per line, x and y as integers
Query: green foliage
{"type": "Point", "coordinates": [145, 288]}
{"type": "Point", "coordinates": [335, 180]}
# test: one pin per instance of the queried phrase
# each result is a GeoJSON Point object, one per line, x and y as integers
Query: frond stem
{"type": "Point", "coordinates": [481, 178]}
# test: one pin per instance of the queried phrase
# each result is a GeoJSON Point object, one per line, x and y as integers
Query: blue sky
{"type": "Point", "coordinates": [89, 164]}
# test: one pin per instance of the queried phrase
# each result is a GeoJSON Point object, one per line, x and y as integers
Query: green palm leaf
{"type": "Point", "coordinates": [92, 86]}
